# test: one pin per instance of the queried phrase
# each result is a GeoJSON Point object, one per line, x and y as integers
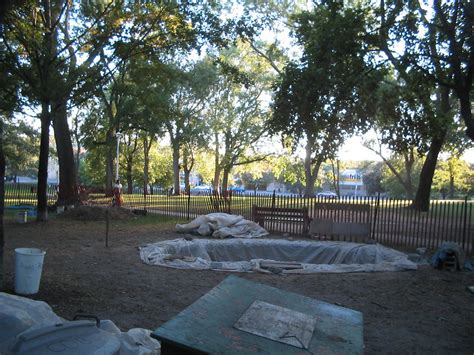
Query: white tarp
{"type": "Point", "coordinates": [222, 225]}
{"type": "Point", "coordinates": [19, 315]}
{"type": "Point", "coordinates": [249, 255]}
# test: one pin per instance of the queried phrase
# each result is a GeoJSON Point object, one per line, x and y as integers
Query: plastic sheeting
{"type": "Point", "coordinates": [19, 315]}
{"type": "Point", "coordinates": [248, 255]}
{"type": "Point", "coordinates": [223, 225]}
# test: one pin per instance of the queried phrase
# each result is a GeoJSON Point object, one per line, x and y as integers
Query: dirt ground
{"type": "Point", "coordinates": [423, 311]}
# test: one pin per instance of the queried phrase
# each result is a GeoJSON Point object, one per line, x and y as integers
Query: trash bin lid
{"type": "Point", "coordinates": [75, 337]}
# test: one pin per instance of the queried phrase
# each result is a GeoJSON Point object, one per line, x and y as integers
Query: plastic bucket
{"type": "Point", "coordinates": [28, 268]}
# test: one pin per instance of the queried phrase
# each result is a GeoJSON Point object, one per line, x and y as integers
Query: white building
{"type": "Point", "coordinates": [351, 183]}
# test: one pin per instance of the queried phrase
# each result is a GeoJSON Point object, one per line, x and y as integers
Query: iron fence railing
{"type": "Point", "coordinates": [18, 194]}
{"type": "Point", "coordinates": [392, 221]}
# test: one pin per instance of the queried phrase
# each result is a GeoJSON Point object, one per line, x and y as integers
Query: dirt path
{"type": "Point", "coordinates": [424, 311]}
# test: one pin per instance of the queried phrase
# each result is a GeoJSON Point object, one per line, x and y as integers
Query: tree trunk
{"type": "Point", "coordinates": [78, 150]}
{"type": "Point", "coordinates": [187, 183]}
{"type": "Point", "coordinates": [176, 167]}
{"type": "Point", "coordinates": [187, 171]}
{"type": "Point", "coordinates": [225, 179]}
{"type": "Point", "coordinates": [408, 183]}
{"type": "Point", "coordinates": [78, 162]}
{"type": "Point", "coordinates": [308, 171]}
{"type": "Point", "coordinates": [42, 210]}
{"type": "Point", "coordinates": [67, 177]}
{"type": "Point", "coordinates": [451, 185]}
{"type": "Point", "coordinates": [2, 204]}
{"type": "Point", "coordinates": [129, 177]}
{"type": "Point", "coordinates": [146, 164]}
{"type": "Point", "coordinates": [335, 176]}
{"type": "Point", "coordinates": [466, 113]}
{"type": "Point", "coordinates": [188, 164]}
{"type": "Point", "coordinates": [217, 167]}
{"type": "Point", "coordinates": [109, 164]}
{"type": "Point", "coordinates": [422, 198]}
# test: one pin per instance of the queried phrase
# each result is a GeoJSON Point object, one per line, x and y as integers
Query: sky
{"type": "Point", "coordinates": [354, 150]}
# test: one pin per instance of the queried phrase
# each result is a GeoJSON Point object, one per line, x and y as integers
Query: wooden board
{"type": "Point", "coordinates": [207, 326]}
{"type": "Point", "coordinates": [277, 323]}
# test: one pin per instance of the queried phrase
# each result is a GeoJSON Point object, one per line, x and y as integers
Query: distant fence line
{"type": "Point", "coordinates": [392, 221]}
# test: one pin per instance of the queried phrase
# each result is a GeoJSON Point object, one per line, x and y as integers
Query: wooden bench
{"type": "Point", "coordinates": [281, 214]}
{"type": "Point", "coordinates": [337, 220]}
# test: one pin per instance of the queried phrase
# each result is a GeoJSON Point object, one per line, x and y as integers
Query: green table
{"type": "Point", "coordinates": [208, 325]}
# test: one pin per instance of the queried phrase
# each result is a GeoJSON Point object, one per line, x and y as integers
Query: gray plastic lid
{"type": "Point", "coordinates": [76, 337]}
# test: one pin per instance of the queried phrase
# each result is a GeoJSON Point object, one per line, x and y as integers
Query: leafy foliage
{"type": "Point", "coordinates": [326, 95]}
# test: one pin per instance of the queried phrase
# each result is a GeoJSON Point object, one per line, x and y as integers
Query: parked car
{"type": "Point", "coordinates": [326, 194]}
{"type": "Point", "coordinates": [236, 189]}
{"type": "Point", "coordinates": [201, 190]}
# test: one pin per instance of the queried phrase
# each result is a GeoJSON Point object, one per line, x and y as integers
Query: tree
{"type": "Point", "coordinates": [188, 101]}
{"type": "Point", "coordinates": [453, 175]}
{"type": "Point", "coordinates": [438, 48]}
{"type": "Point", "coordinates": [438, 43]}
{"type": "Point", "coordinates": [326, 95]}
{"type": "Point", "coordinates": [238, 112]}
{"type": "Point", "coordinates": [400, 164]}
{"type": "Point", "coordinates": [372, 179]}
{"type": "Point", "coordinates": [8, 103]}
{"type": "Point", "coordinates": [50, 34]}
{"type": "Point", "coordinates": [129, 152]}
{"type": "Point", "coordinates": [409, 124]}
{"type": "Point", "coordinates": [204, 165]}
{"type": "Point", "coordinates": [21, 144]}
{"type": "Point", "coordinates": [291, 170]}
{"type": "Point", "coordinates": [238, 124]}
{"type": "Point", "coordinates": [42, 54]}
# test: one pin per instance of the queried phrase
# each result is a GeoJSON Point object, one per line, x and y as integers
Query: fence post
{"type": "Point", "coordinates": [372, 232]}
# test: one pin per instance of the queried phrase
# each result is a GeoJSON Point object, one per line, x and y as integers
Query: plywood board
{"type": "Point", "coordinates": [278, 324]}
{"type": "Point", "coordinates": [207, 326]}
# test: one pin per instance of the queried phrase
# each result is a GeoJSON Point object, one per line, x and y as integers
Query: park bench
{"type": "Point", "coordinates": [341, 221]}
{"type": "Point", "coordinates": [261, 215]}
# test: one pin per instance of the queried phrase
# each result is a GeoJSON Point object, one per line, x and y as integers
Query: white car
{"type": "Point", "coordinates": [327, 194]}
{"type": "Point", "coordinates": [201, 190]}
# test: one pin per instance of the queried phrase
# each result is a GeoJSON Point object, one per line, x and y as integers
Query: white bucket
{"type": "Point", "coordinates": [28, 268]}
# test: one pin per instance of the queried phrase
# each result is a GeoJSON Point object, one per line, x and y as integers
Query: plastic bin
{"type": "Point", "coordinates": [28, 268]}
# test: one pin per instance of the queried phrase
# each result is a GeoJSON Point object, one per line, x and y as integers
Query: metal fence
{"type": "Point", "coordinates": [392, 221]}
{"type": "Point", "coordinates": [17, 194]}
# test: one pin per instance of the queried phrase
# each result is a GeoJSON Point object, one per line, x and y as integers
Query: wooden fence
{"type": "Point", "coordinates": [392, 221]}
